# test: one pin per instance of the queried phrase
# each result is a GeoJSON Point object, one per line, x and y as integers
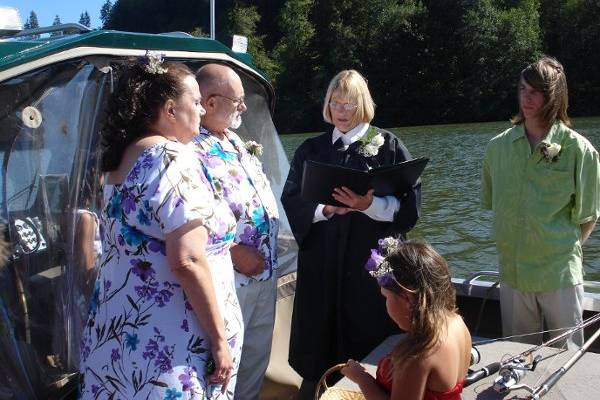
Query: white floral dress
{"type": "Point", "coordinates": [142, 339]}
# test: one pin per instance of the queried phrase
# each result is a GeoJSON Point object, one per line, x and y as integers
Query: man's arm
{"type": "Point", "coordinates": [586, 230]}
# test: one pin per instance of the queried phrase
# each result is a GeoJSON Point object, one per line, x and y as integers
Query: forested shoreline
{"type": "Point", "coordinates": [436, 61]}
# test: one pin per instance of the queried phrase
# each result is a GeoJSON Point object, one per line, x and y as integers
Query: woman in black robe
{"type": "Point", "coordinates": [339, 312]}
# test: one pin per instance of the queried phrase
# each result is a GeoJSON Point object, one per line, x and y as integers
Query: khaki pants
{"type": "Point", "coordinates": [257, 300]}
{"type": "Point", "coordinates": [525, 312]}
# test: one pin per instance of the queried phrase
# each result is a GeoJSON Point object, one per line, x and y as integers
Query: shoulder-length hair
{"type": "Point", "coordinates": [418, 268]}
{"type": "Point", "coordinates": [547, 75]}
{"type": "Point", "coordinates": [351, 84]}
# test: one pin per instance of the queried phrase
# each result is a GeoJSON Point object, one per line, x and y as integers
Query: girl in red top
{"type": "Point", "coordinates": [431, 362]}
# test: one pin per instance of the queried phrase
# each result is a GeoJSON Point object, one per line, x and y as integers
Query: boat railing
{"type": "Point", "coordinates": [68, 28]}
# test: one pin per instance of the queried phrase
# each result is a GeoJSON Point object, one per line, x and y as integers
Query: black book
{"type": "Point", "coordinates": [319, 179]}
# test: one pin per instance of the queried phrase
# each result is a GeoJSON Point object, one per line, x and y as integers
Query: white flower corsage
{"type": "Point", "coordinates": [154, 63]}
{"type": "Point", "coordinates": [550, 151]}
{"type": "Point", "coordinates": [255, 149]}
{"type": "Point", "coordinates": [370, 143]}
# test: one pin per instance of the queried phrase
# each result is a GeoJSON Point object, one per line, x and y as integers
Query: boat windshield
{"type": "Point", "coordinates": [50, 187]}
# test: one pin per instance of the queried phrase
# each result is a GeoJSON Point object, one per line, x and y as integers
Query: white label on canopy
{"type": "Point", "coordinates": [240, 44]}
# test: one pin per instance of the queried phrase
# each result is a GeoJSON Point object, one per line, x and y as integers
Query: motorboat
{"type": "Point", "coordinates": [54, 86]}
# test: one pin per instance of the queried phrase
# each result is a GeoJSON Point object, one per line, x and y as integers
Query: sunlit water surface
{"type": "Point", "coordinates": [451, 219]}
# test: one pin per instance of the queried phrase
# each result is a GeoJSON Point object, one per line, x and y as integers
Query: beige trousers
{"type": "Point", "coordinates": [257, 300]}
{"type": "Point", "coordinates": [526, 312]}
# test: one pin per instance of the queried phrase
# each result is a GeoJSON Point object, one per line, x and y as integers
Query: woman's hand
{"type": "Point", "coordinates": [223, 364]}
{"type": "Point", "coordinates": [356, 372]}
{"type": "Point", "coordinates": [353, 200]}
{"type": "Point", "coordinates": [247, 259]}
{"type": "Point", "coordinates": [328, 211]}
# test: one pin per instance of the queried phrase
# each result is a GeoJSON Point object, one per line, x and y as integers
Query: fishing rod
{"type": "Point", "coordinates": [557, 338]}
{"type": "Point", "coordinates": [545, 387]}
{"type": "Point", "coordinates": [514, 369]}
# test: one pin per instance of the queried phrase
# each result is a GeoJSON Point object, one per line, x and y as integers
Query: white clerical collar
{"type": "Point", "coordinates": [352, 135]}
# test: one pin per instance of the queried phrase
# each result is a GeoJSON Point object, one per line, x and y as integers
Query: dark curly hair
{"type": "Point", "coordinates": [134, 106]}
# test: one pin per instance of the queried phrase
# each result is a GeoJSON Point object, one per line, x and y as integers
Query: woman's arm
{"type": "Point", "coordinates": [300, 213]}
{"type": "Point", "coordinates": [368, 386]}
{"type": "Point", "coordinates": [185, 248]}
{"type": "Point", "coordinates": [86, 234]}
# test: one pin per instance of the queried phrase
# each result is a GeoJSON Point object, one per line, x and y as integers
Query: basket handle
{"type": "Point", "coordinates": [323, 381]}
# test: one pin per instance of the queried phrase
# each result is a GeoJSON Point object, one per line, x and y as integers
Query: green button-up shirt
{"type": "Point", "coordinates": [539, 205]}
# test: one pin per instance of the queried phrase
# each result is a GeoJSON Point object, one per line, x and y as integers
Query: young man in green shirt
{"type": "Point", "coordinates": [542, 181]}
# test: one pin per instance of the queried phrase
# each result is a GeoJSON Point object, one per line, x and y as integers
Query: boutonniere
{"type": "Point", "coordinates": [255, 149]}
{"type": "Point", "coordinates": [370, 143]}
{"type": "Point", "coordinates": [550, 151]}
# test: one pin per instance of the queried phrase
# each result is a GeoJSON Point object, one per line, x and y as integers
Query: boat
{"type": "Point", "coordinates": [54, 85]}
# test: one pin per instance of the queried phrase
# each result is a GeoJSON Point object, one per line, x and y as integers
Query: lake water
{"type": "Point", "coordinates": [451, 219]}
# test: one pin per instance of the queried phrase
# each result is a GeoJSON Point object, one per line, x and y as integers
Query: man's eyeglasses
{"type": "Point", "coordinates": [237, 102]}
{"type": "Point", "coordinates": [342, 106]}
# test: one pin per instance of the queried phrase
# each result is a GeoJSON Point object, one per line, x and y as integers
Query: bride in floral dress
{"type": "Point", "coordinates": [164, 320]}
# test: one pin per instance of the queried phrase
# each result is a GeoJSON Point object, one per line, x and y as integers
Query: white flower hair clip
{"type": "Point", "coordinates": [154, 63]}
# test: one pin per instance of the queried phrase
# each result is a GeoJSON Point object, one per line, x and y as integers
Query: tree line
{"type": "Point", "coordinates": [426, 61]}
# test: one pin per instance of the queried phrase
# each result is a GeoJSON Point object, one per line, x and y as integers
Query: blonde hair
{"type": "Point", "coordinates": [351, 84]}
{"type": "Point", "coordinates": [418, 268]}
{"type": "Point", "coordinates": [547, 75]}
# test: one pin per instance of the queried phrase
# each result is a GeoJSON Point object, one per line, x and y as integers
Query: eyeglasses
{"type": "Point", "coordinates": [342, 106]}
{"type": "Point", "coordinates": [237, 102]}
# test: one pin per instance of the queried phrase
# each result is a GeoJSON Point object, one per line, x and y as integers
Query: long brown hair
{"type": "Point", "coordinates": [419, 268]}
{"type": "Point", "coordinates": [547, 75]}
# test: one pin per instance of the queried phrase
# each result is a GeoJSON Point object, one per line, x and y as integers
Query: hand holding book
{"type": "Point", "coordinates": [319, 180]}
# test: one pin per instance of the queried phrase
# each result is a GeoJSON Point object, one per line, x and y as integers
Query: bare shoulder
{"type": "Point", "coordinates": [450, 360]}
{"type": "Point", "coordinates": [411, 381]}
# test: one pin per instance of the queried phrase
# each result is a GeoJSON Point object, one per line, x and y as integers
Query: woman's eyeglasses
{"type": "Point", "coordinates": [342, 106]}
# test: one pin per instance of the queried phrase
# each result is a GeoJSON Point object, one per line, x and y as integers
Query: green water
{"type": "Point", "coordinates": [451, 219]}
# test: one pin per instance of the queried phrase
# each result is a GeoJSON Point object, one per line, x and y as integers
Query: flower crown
{"type": "Point", "coordinates": [380, 268]}
{"type": "Point", "coordinates": [154, 63]}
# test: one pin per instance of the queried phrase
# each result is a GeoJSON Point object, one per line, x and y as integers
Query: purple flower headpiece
{"type": "Point", "coordinates": [379, 267]}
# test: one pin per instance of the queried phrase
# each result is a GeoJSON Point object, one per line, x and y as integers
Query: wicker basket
{"type": "Point", "coordinates": [334, 393]}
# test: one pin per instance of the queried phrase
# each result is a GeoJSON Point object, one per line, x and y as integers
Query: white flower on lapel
{"type": "Point", "coordinates": [370, 143]}
{"type": "Point", "coordinates": [550, 151]}
{"type": "Point", "coordinates": [255, 149]}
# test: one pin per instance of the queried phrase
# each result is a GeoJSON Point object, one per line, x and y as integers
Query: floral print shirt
{"type": "Point", "coordinates": [237, 177]}
{"type": "Point", "coordinates": [142, 339]}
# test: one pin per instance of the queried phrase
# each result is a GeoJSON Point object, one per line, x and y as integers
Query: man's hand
{"type": "Point", "coordinates": [247, 260]}
{"type": "Point", "coordinates": [353, 200]}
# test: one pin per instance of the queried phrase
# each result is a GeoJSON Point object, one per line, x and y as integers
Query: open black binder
{"type": "Point", "coordinates": [319, 179]}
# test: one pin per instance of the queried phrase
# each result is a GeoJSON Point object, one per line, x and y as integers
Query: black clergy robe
{"type": "Point", "coordinates": [339, 312]}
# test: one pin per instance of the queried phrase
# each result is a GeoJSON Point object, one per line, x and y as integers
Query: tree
{"type": "Point", "coordinates": [32, 23]}
{"type": "Point", "coordinates": [243, 20]}
{"type": "Point", "coordinates": [296, 89]}
{"type": "Point", "coordinates": [199, 32]}
{"type": "Point", "coordinates": [105, 12]}
{"type": "Point", "coordinates": [55, 23]}
{"type": "Point", "coordinates": [84, 19]}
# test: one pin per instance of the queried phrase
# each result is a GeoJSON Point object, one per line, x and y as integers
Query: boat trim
{"type": "Point", "coordinates": [94, 51]}
{"type": "Point", "coordinates": [489, 290]}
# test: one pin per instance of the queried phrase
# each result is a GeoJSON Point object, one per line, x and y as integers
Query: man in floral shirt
{"type": "Point", "coordinates": [542, 181]}
{"type": "Point", "coordinates": [236, 173]}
